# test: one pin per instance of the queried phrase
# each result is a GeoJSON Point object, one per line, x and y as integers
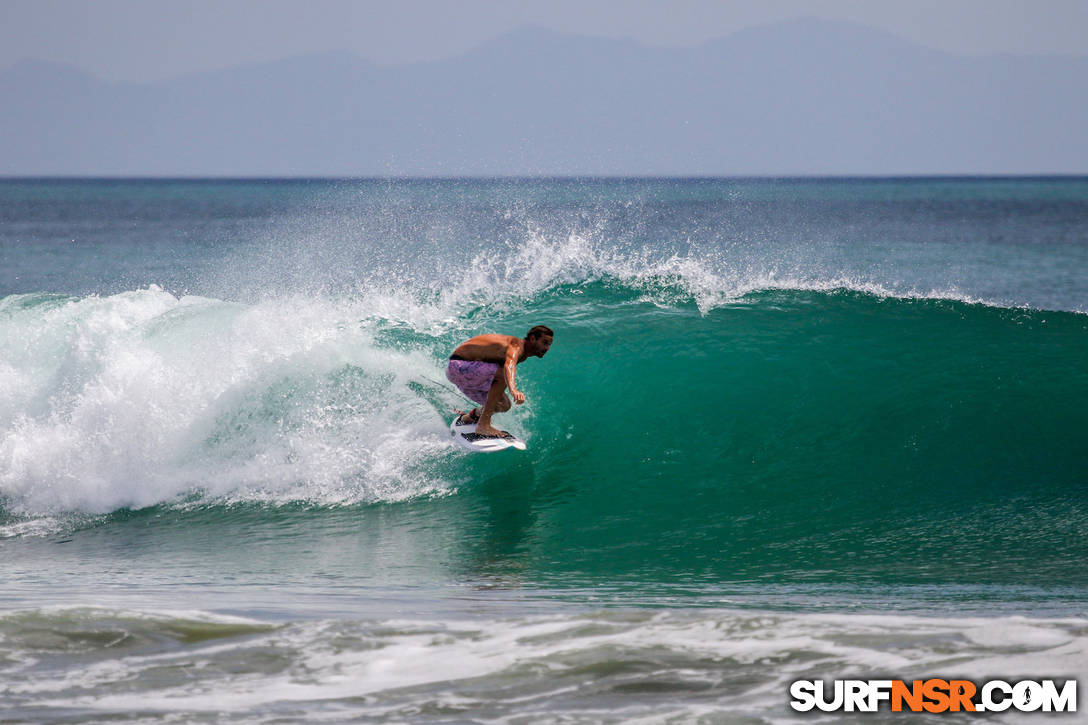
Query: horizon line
{"type": "Point", "coordinates": [542, 177]}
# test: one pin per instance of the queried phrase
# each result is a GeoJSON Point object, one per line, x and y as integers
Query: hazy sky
{"type": "Point", "coordinates": [155, 39]}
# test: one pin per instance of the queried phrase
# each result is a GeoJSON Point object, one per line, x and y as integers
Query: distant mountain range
{"type": "Point", "coordinates": [804, 97]}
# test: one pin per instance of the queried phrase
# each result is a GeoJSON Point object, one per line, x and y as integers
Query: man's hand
{"type": "Point", "coordinates": [519, 397]}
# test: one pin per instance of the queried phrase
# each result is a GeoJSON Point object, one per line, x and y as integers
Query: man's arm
{"type": "Point", "coordinates": [513, 352]}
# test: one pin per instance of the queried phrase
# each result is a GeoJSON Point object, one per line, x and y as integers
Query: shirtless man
{"type": "Point", "coordinates": [483, 368]}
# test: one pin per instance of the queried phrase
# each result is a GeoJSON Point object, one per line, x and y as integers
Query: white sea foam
{"type": "Point", "coordinates": [611, 666]}
{"type": "Point", "coordinates": [141, 397]}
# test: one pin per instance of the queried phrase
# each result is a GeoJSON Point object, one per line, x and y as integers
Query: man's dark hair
{"type": "Point", "coordinates": [540, 331]}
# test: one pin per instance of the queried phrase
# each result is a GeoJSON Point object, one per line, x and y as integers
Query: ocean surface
{"type": "Point", "coordinates": [789, 429]}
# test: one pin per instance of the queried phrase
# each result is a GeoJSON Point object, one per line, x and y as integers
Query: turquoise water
{"type": "Point", "coordinates": [788, 429]}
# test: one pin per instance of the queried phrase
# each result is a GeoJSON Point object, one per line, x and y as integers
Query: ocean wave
{"type": "Point", "coordinates": [147, 397]}
{"type": "Point", "coordinates": [540, 263]}
{"type": "Point", "coordinates": [595, 666]}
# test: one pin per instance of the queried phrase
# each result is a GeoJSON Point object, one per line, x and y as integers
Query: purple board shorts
{"type": "Point", "coordinates": [472, 377]}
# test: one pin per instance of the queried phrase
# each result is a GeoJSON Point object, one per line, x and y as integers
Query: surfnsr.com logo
{"type": "Point", "coordinates": [934, 695]}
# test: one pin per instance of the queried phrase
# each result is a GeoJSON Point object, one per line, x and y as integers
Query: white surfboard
{"type": "Point", "coordinates": [464, 434]}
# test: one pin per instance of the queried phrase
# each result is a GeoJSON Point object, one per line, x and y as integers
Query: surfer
{"type": "Point", "coordinates": [483, 368]}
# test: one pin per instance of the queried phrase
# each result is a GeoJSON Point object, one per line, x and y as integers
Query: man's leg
{"type": "Point", "coordinates": [474, 379]}
{"type": "Point", "coordinates": [497, 402]}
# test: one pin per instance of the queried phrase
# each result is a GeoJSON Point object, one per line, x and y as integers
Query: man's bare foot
{"type": "Point", "coordinates": [490, 431]}
{"type": "Point", "coordinates": [469, 418]}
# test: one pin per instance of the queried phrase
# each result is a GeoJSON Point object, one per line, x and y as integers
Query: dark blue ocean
{"type": "Point", "coordinates": [789, 429]}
